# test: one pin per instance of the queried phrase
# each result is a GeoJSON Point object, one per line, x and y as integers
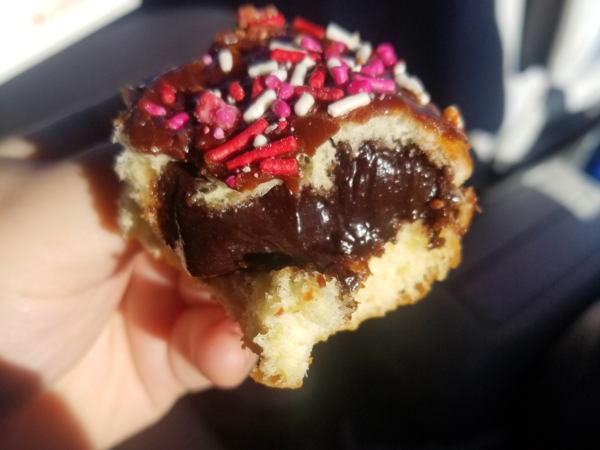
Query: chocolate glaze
{"type": "Point", "coordinates": [376, 190]}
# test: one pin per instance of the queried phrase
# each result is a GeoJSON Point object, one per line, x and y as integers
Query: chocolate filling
{"type": "Point", "coordinates": [376, 189]}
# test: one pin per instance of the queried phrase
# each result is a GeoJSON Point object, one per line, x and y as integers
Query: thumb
{"type": "Point", "coordinates": [206, 348]}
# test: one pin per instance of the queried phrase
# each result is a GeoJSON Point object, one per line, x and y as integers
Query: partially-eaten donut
{"type": "Point", "coordinates": [302, 176]}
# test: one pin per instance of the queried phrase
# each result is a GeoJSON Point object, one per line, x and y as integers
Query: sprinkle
{"type": "Point", "coordinates": [400, 67]}
{"type": "Point", "coordinates": [206, 129]}
{"type": "Point", "coordinates": [247, 169]}
{"type": "Point", "coordinates": [260, 106]}
{"type": "Point", "coordinates": [299, 75]}
{"type": "Point", "coordinates": [237, 92]}
{"type": "Point", "coordinates": [276, 148]}
{"type": "Point", "coordinates": [303, 25]}
{"type": "Point", "coordinates": [230, 181]}
{"type": "Point", "coordinates": [279, 166]}
{"type": "Point", "coordinates": [340, 75]}
{"type": "Point", "coordinates": [333, 62]}
{"type": "Point", "coordinates": [338, 46]}
{"type": "Point", "coordinates": [350, 62]}
{"type": "Point", "coordinates": [410, 83]}
{"type": "Point", "coordinates": [275, 44]}
{"type": "Point", "coordinates": [178, 121]}
{"type": "Point", "coordinates": [286, 55]}
{"type": "Point", "coordinates": [387, 54]}
{"type": "Point", "coordinates": [364, 52]}
{"type": "Point", "coordinates": [303, 105]}
{"type": "Point", "coordinates": [218, 133]}
{"type": "Point", "coordinates": [424, 98]}
{"type": "Point", "coordinates": [348, 104]}
{"type": "Point", "coordinates": [374, 68]}
{"type": "Point", "coordinates": [286, 91]}
{"type": "Point", "coordinates": [325, 94]}
{"type": "Point", "coordinates": [309, 62]}
{"type": "Point", "coordinates": [281, 74]}
{"type": "Point", "coordinates": [311, 44]}
{"type": "Point", "coordinates": [282, 125]}
{"type": "Point", "coordinates": [230, 99]}
{"type": "Point", "coordinates": [272, 82]}
{"type": "Point", "coordinates": [238, 142]}
{"type": "Point", "coordinates": [263, 68]}
{"type": "Point", "coordinates": [152, 108]}
{"type": "Point", "coordinates": [167, 94]}
{"type": "Point", "coordinates": [336, 33]}
{"type": "Point", "coordinates": [378, 84]}
{"type": "Point", "coordinates": [317, 79]}
{"type": "Point", "coordinates": [225, 60]}
{"type": "Point", "coordinates": [271, 128]}
{"type": "Point", "coordinates": [280, 108]}
{"type": "Point", "coordinates": [260, 141]}
{"type": "Point", "coordinates": [215, 92]}
{"type": "Point", "coordinates": [225, 116]}
{"type": "Point", "coordinates": [357, 68]}
{"type": "Point", "coordinates": [359, 86]}
{"type": "Point", "coordinates": [257, 87]}
{"type": "Point", "coordinates": [207, 59]}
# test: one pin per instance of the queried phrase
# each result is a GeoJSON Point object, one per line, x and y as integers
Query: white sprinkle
{"type": "Point", "coordinates": [357, 68]}
{"type": "Point", "coordinates": [333, 62]}
{"type": "Point", "coordinates": [225, 60]}
{"type": "Point", "coordinates": [246, 169]}
{"type": "Point", "coordinates": [345, 105]}
{"type": "Point", "coordinates": [215, 92]}
{"type": "Point", "coordinates": [425, 98]}
{"type": "Point", "coordinates": [260, 141]}
{"type": "Point", "coordinates": [349, 61]}
{"type": "Point", "coordinates": [299, 75]}
{"type": "Point", "coordinates": [285, 46]}
{"type": "Point", "coordinates": [260, 106]}
{"type": "Point", "coordinates": [399, 67]}
{"type": "Point", "coordinates": [336, 33]}
{"type": "Point", "coordinates": [281, 74]}
{"type": "Point", "coordinates": [263, 68]}
{"type": "Point", "coordinates": [255, 174]}
{"type": "Point", "coordinates": [288, 65]}
{"type": "Point", "coordinates": [308, 62]}
{"type": "Point", "coordinates": [303, 105]}
{"type": "Point", "coordinates": [271, 128]}
{"type": "Point", "coordinates": [230, 100]}
{"type": "Point", "coordinates": [409, 83]}
{"type": "Point", "coordinates": [364, 52]}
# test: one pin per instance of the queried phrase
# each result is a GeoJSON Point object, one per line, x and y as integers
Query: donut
{"type": "Point", "coordinates": [300, 174]}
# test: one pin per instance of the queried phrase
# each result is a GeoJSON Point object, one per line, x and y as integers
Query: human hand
{"type": "Point", "coordinates": [97, 339]}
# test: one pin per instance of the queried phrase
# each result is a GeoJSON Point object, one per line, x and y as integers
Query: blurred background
{"type": "Point", "coordinates": [506, 352]}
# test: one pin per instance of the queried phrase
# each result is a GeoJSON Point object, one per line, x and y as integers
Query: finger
{"type": "Point", "coordinates": [193, 291]}
{"type": "Point", "coordinates": [206, 344]}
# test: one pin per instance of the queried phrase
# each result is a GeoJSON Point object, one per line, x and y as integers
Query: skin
{"type": "Point", "coordinates": [97, 339]}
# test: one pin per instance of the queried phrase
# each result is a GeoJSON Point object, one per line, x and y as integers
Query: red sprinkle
{"type": "Point", "coordinates": [287, 56]}
{"type": "Point", "coordinates": [276, 148]}
{"type": "Point", "coordinates": [303, 25]}
{"type": "Point", "coordinates": [167, 94]}
{"type": "Point", "coordinates": [258, 86]}
{"type": "Point", "coordinates": [324, 94]}
{"type": "Point", "coordinates": [237, 143]}
{"type": "Point", "coordinates": [279, 166]}
{"type": "Point", "coordinates": [317, 79]}
{"type": "Point", "coordinates": [237, 92]}
{"type": "Point", "coordinates": [282, 125]}
{"type": "Point", "coordinates": [277, 21]}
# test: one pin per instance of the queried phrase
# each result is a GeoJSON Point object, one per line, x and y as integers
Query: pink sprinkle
{"type": "Point", "coordinates": [205, 130]}
{"type": "Point", "coordinates": [272, 82]}
{"type": "Point", "coordinates": [152, 108]}
{"type": "Point", "coordinates": [387, 54]}
{"type": "Point", "coordinates": [373, 68]}
{"type": "Point", "coordinates": [230, 181]}
{"type": "Point", "coordinates": [330, 53]}
{"type": "Point", "coordinates": [178, 121]}
{"type": "Point", "coordinates": [207, 59]}
{"type": "Point", "coordinates": [340, 75]}
{"type": "Point", "coordinates": [218, 133]}
{"type": "Point", "coordinates": [280, 108]}
{"type": "Point", "coordinates": [311, 44]}
{"type": "Point", "coordinates": [378, 84]}
{"type": "Point", "coordinates": [359, 86]}
{"type": "Point", "coordinates": [338, 46]}
{"type": "Point", "coordinates": [225, 116]}
{"type": "Point", "coordinates": [286, 91]}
